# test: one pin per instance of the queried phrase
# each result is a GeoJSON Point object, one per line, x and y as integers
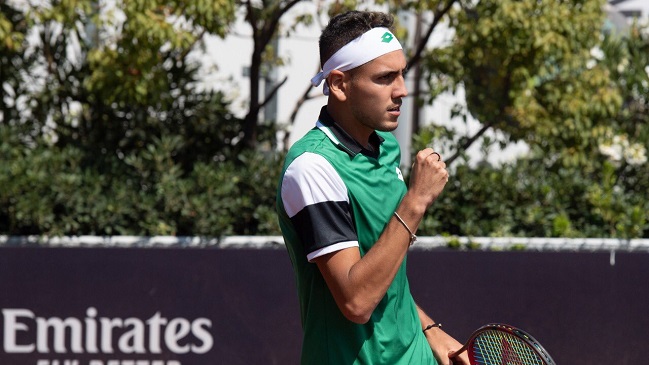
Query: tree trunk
{"type": "Point", "coordinates": [250, 121]}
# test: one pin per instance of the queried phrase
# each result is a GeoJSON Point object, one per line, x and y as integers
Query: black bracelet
{"type": "Point", "coordinates": [438, 325]}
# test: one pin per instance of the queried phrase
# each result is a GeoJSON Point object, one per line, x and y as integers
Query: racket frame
{"type": "Point", "coordinates": [516, 332]}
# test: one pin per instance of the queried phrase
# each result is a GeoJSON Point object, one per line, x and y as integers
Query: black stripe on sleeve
{"type": "Point", "coordinates": [323, 224]}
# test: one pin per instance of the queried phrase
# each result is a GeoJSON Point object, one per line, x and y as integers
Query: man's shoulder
{"type": "Point", "coordinates": [314, 141]}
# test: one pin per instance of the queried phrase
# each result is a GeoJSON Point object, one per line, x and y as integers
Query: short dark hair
{"type": "Point", "coordinates": [344, 28]}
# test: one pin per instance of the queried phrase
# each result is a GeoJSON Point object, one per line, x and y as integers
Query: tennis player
{"type": "Point", "coordinates": [348, 217]}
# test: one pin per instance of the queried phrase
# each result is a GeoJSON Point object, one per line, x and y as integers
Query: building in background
{"type": "Point", "coordinates": [227, 60]}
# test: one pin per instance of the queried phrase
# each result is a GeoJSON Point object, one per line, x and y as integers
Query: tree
{"type": "Point", "coordinates": [105, 131]}
{"type": "Point", "coordinates": [264, 19]}
{"type": "Point", "coordinates": [12, 33]}
{"type": "Point", "coordinates": [624, 140]}
{"type": "Point", "coordinates": [542, 195]}
{"type": "Point", "coordinates": [437, 10]}
{"type": "Point", "coordinates": [524, 68]}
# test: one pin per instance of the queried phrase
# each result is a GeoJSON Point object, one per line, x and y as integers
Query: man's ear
{"type": "Point", "coordinates": [338, 86]}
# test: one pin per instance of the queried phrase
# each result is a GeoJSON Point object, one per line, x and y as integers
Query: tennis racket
{"type": "Point", "coordinates": [502, 344]}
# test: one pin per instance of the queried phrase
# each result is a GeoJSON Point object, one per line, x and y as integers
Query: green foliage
{"type": "Point", "coordinates": [546, 73]}
{"type": "Point", "coordinates": [524, 66]}
{"type": "Point", "coordinates": [540, 195]}
{"type": "Point", "coordinates": [48, 190]}
{"type": "Point", "coordinates": [104, 131]}
{"type": "Point", "coordinates": [532, 197]}
{"type": "Point", "coordinates": [121, 141]}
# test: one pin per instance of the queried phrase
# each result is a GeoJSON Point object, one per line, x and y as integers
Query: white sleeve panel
{"type": "Point", "coordinates": [310, 179]}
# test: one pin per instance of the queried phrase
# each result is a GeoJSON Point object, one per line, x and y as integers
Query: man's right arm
{"type": "Point", "coordinates": [359, 283]}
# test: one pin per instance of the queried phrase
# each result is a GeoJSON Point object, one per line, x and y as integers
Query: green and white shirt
{"type": "Point", "coordinates": [334, 194]}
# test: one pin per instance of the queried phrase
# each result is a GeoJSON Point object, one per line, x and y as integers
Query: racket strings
{"type": "Point", "coordinates": [500, 348]}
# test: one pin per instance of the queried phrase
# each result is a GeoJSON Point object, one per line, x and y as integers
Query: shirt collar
{"type": "Point", "coordinates": [338, 135]}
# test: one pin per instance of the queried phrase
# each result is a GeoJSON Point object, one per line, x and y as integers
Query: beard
{"type": "Point", "coordinates": [376, 122]}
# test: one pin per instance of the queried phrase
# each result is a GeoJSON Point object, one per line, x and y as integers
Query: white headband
{"type": "Point", "coordinates": [370, 45]}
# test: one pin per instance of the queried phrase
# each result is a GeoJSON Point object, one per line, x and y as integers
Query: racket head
{"type": "Point", "coordinates": [502, 344]}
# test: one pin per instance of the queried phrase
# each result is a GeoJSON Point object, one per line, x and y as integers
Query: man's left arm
{"type": "Point", "coordinates": [441, 343]}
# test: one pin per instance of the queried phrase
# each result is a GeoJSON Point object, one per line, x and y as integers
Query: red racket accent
{"type": "Point", "coordinates": [501, 344]}
{"type": "Point", "coordinates": [509, 355]}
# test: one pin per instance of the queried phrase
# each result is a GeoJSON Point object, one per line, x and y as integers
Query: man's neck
{"type": "Point", "coordinates": [348, 123]}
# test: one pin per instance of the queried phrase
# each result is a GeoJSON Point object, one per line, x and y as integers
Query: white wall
{"type": "Point", "coordinates": [225, 59]}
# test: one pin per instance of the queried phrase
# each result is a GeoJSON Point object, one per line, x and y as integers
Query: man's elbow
{"type": "Point", "coordinates": [359, 314]}
{"type": "Point", "coordinates": [357, 318]}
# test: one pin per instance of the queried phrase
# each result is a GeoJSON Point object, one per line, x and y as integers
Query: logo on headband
{"type": "Point", "coordinates": [386, 37]}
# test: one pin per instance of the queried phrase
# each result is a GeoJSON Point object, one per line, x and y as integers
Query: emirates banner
{"type": "Point", "coordinates": [195, 306]}
{"type": "Point", "coordinates": [130, 306]}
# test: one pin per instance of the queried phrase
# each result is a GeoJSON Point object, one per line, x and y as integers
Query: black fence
{"type": "Point", "coordinates": [194, 306]}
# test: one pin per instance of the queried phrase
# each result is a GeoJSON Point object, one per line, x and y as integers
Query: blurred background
{"type": "Point", "coordinates": [170, 117]}
{"type": "Point", "coordinates": [160, 126]}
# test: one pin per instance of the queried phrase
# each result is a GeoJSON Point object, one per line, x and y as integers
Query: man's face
{"type": "Point", "coordinates": [376, 91]}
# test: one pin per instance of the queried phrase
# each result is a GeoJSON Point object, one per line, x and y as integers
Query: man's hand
{"type": "Point", "coordinates": [428, 176]}
{"type": "Point", "coordinates": [443, 346]}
